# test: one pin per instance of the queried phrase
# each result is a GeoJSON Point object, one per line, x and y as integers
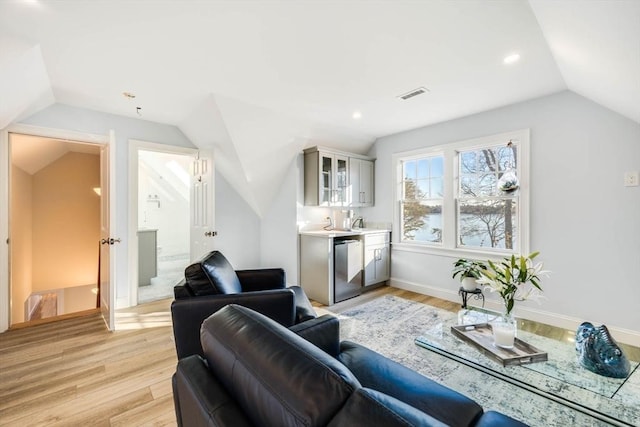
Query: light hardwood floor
{"type": "Point", "coordinates": [74, 372]}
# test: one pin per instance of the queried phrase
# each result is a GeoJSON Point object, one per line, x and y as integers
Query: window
{"type": "Point", "coordinates": [421, 205]}
{"type": "Point", "coordinates": [486, 216]}
{"type": "Point", "coordinates": [452, 198]}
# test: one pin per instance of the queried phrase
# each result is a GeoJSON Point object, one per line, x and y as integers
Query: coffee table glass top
{"type": "Point", "coordinates": [560, 376]}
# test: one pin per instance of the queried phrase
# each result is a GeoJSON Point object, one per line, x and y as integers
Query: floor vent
{"type": "Point", "coordinates": [414, 92]}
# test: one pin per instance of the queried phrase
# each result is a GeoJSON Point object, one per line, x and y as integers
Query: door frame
{"type": "Point", "coordinates": [5, 175]}
{"type": "Point", "coordinates": [134, 147]}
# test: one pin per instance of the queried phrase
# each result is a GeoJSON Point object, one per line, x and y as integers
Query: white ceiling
{"type": "Point", "coordinates": [260, 80]}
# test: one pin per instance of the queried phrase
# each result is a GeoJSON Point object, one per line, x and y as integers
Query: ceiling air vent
{"type": "Point", "coordinates": [414, 92]}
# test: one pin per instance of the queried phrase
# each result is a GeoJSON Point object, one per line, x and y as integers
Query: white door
{"type": "Point", "coordinates": [107, 268]}
{"type": "Point", "coordinates": [202, 205]}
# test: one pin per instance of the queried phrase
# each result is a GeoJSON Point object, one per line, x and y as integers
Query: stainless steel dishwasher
{"type": "Point", "coordinates": [347, 281]}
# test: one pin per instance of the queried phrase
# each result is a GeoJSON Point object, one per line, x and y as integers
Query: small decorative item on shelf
{"type": "Point", "coordinates": [599, 352]}
{"type": "Point", "coordinates": [469, 271]}
{"type": "Point", "coordinates": [515, 278]}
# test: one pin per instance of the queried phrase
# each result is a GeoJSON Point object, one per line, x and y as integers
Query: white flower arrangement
{"type": "Point", "coordinates": [515, 278]}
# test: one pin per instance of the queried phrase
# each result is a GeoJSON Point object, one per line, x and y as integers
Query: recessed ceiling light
{"type": "Point", "coordinates": [356, 115]}
{"type": "Point", "coordinates": [511, 58]}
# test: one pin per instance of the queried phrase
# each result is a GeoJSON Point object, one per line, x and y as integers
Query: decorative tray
{"type": "Point", "coordinates": [481, 336]}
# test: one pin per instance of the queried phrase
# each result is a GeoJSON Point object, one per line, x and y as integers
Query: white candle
{"type": "Point", "coordinates": [503, 334]}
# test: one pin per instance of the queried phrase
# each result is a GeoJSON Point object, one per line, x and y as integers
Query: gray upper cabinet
{"type": "Point", "coordinates": [330, 176]}
{"type": "Point", "coordinates": [361, 182]}
{"type": "Point", "coordinates": [326, 177]}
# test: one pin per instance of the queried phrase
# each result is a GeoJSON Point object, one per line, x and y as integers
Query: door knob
{"type": "Point", "coordinates": [210, 233]}
{"type": "Point", "coordinates": [109, 241]}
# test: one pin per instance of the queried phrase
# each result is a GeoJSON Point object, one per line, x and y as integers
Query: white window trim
{"type": "Point", "coordinates": [451, 171]}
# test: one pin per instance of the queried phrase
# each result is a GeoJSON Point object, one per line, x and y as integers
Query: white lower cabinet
{"type": "Point", "coordinates": [377, 258]}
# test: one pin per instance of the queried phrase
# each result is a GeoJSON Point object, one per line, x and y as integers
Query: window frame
{"type": "Point", "coordinates": [451, 177]}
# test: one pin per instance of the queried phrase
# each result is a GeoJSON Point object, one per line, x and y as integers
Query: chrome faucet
{"type": "Point", "coordinates": [358, 220]}
{"type": "Point", "coordinates": [330, 226]}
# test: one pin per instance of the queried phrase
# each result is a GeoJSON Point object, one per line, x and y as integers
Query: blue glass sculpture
{"type": "Point", "coordinates": [599, 352]}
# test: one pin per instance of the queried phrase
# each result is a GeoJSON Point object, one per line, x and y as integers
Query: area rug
{"type": "Point", "coordinates": [389, 326]}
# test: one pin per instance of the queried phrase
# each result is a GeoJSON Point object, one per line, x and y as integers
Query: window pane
{"type": "Point", "coordinates": [422, 221]}
{"type": "Point", "coordinates": [468, 185]}
{"type": "Point", "coordinates": [507, 157]}
{"type": "Point", "coordinates": [410, 169]}
{"type": "Point", "coordinates": [437, 167]}
{"type": "Point", "coordinates": [423, 168]}
{"type": "Point", "coordinates": [487, 185]}
{"type": "Point", "coordinates": [487, 223]}
{"type": "Point", "coordinates": [410, 189]}
{"type": "Point", "coordinates": [468, 162]}
{"type": "Point", "coordinates": [423, 189]}
{"type": "Point", "coordinates": [437, 189]}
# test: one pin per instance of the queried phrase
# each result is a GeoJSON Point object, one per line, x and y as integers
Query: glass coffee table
{"type": "Point", "coordinates": [561, 378]}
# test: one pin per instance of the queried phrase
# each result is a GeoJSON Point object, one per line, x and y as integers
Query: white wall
{"type": "Point", "coordinates": [279, 241]}
{"type": "Point", "coordinates": [238, 227]}
{"type": "Point", "coordinates": [583, 220]}
{"type": "Point", "coordinates": [61, 116]}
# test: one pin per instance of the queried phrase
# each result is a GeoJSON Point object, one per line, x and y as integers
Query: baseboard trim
{"type": "Point", "coordinates": [622, 335]}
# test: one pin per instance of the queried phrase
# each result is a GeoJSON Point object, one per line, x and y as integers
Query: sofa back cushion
{"type": "Point", "coordinates": [212, 275]}
{"type": "Point", "coordinates": [368, 407]}
{"type": "Point", "coordinates": [277, 377]}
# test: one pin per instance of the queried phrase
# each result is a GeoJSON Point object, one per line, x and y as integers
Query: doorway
{"type": "Point", "coordinates": [164, 183]}
{"type": "Point", "coordinates": [54, 217]}
{"type": "Point", "coordinates": [160, 203]}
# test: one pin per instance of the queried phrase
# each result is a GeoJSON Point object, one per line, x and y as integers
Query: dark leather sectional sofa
{"type": "Point", "coordinates": [256, 372]}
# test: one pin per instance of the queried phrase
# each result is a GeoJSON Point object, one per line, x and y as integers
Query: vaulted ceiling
{"type": "Point", "coordinates": [258, 81]}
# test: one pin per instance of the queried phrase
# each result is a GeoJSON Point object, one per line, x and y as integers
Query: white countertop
{"type": "Point", "coordinates": [341, 233]}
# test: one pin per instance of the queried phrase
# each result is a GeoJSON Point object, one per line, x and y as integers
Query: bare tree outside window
{"type": "Point", "coordinates": [487, 217]}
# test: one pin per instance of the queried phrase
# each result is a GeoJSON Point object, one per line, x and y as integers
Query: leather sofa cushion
{"type": "Point", "coordinates": [211, 275]}
{"type": "Point", "coordinates": [368, 407]}
{"type": "Point", "coordinates": [379, 373]}
{"type": "Point", "coordinates": [496, 419]}
{"type": "Point", "coordinates": [277, 377]}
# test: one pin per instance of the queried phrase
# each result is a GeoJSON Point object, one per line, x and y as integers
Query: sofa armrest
{"type": "Point", "coordinates": [377, 372]}
{"type": "Point", "coordinates": [181, 290]}
{"type": "Point", "coordinates": [262, 279]}
{"type": "Point", "coordinates": [304, 309]}
{"type": "Point", "coordinates": [189, 313]}
{"type": "Point", "coordinates": [201, 400]}
{"type": "Point", "coordinates": [323, 332]}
